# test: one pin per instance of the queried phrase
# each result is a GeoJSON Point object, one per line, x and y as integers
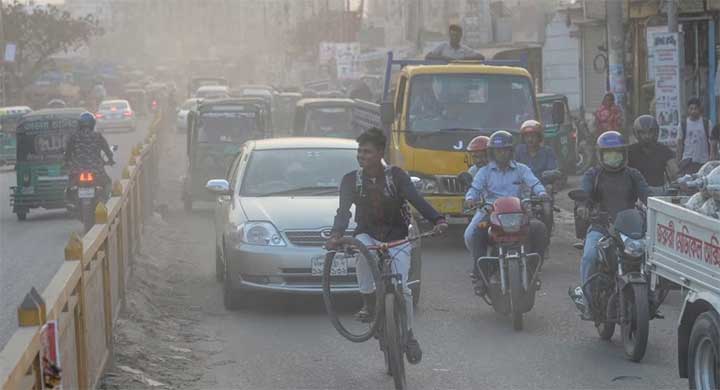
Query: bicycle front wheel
{"type": "Point", "coordinates": [363, 254]}
{"type": "Point", "coordinates": [394, 336]}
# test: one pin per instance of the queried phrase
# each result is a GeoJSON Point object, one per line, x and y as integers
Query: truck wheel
{"type": "Point", "coordinates": [21, 214]}
{"type": "Point", "coordinates": [636, 325]}
{"type": "Point", "coordinates": [704, 352]}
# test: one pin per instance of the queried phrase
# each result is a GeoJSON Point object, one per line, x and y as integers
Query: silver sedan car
{"type": "Point", "coordinates": [274, 213]}
{"type": "Point", "coordinates": [115, 114]}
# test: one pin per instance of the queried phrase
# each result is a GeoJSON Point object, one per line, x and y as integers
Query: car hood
{"type": "Point", "coordinates": [292, 212]}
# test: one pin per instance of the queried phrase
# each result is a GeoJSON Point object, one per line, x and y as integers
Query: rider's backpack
{"type": "Point", "coordinates": [390, 191]}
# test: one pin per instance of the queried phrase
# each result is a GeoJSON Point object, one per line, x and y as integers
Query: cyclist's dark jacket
{"type": "Point", "coordinates": [83, 151]}
{"type": "Point", "coordinates": [378, 213]}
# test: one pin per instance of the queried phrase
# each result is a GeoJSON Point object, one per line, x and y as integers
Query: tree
{"type": "Point", "coordinates": [41, 32]}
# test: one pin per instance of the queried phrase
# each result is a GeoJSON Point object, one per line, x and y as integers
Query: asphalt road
{"type": "Point", "coordinates": [287, 343]}
{"type": "Point", "coordinates": [31, 251]}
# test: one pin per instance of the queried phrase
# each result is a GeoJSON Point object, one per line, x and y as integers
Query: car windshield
{"type": "Point", "coordinates": [297, 171]}
{"type": "Point", "coordinates": [228, 127]}
{"type": "Point", "coordinates": [114, 106]}
{"type": "Point", "coordinates": [329, 122]}
{"type": "Point", "coordinates": [469, 101]}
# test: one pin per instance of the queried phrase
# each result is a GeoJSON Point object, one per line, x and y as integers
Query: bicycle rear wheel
{"type": "Point", "coordinates": [363, 252]}
{"type": "Point", "coordinates": [394, 336]}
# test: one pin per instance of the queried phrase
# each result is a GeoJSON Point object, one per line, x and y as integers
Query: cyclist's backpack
{"type": "Point", "coordinates": [390, 191]}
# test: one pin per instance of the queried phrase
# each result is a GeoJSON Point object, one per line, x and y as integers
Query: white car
{"type": "Point", "coordinates": [212, 92]}
{"type": "Point", "coordinates": [182, 113]}
{"type": "Point", "coordinates": [115, 114]}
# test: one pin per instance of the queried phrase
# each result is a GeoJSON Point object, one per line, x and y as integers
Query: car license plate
{"type": "Point", "coordinates": [339, 267]}
{"type": "Point", "coordinates": [84, 193]}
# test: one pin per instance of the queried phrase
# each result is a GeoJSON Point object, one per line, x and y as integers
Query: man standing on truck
{"type": "Point", "coordinates": [454, 50]}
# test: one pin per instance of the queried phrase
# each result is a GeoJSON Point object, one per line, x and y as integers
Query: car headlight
{"type": "Point", "coordinates": [633, 247]}
{"type": "Point", "coordinates": [425, 185]}
{"type": "Point", "coordinates": [254, 233]}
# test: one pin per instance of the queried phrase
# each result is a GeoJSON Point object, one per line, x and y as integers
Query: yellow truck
{"type": "Point", "coordinates": [437, 109]}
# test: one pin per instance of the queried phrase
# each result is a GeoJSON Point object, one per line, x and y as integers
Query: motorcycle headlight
{"type": "Point", "coordinates": [511, 223]}
{"type": "Point", "coordinates": [255, 233]}
{"type": "Point", "coordinates": [425, 185]}
{"type": "Point", "coordinates": [633, 247]}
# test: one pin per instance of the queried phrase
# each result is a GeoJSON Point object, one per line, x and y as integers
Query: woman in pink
{"type": "Point", "coordinates": [608, 117]}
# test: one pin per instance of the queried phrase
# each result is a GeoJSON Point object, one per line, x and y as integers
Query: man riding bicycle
{"type": "Point", "coordinates": [380, 194]}
{"type": "Point", "coordinates": [501, 177]}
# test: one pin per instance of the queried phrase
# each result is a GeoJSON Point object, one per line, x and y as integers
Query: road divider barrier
{"type": "Point", "coordinates": [65, 334]}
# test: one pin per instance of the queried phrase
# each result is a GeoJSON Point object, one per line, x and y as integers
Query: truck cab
{"type": "Point", "coordinates": [439, 108]}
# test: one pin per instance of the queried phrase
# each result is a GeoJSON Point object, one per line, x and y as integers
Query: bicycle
{"type": "Point", "coordinates": [389, 324]}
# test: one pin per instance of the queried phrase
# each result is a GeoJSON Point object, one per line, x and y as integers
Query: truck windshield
{"type": "Point", "coordinates": [469, 101]}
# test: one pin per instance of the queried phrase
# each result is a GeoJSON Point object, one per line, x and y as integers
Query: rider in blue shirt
{"type": "Point", "coordinates": [501, 177]}
{"type": "Point", "coordinates": [533, 153]}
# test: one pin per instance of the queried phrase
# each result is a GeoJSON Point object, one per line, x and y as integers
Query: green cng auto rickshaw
{"type": "Point", "coordinates": [559, 136]}
{"type": "Point", "coordinates": [216, 130]}
{"type": "Point", "coordinates": [9, 118]}
{"type": "Point", "coordinates": [41, 177]}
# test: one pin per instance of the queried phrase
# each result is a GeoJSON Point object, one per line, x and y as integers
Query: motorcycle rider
{"type": "Point", "coordinates": [502, 176]}
{"type": "Point", "coordinates": [533, 153]}
{"type": "Point", "coordinates": [612, 187]}
{"type": "Point", "coordinates": [478, 152]}
{"type": "Point", "coordinates": [380, 194]}
{"type": "Point", "coordinates": [83, 151]}
{"type": "Point", "coordinates": [654, 160]}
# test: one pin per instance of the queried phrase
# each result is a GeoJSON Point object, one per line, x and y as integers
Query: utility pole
{"type": "Point", "coordinates": [616, 51]}
{"type": "Point", "coordinates": [672, 13]}
{"type": "Point", "coordinates": [2, 61]}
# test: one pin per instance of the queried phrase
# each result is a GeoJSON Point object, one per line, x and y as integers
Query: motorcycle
{"type": "Point", "coordinates": [619, 292]}
{"type": "Point", "coordinates": [545, 211]}
{"type": "Point", "coordinates": [85, 190]}
{"type": "Point", "coordinates": [510, 275]}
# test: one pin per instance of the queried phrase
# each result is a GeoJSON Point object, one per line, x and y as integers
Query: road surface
{"type": "Point", "coordinates": [31, 251]}
{"type": "Point", "coordinates": [178, 333]}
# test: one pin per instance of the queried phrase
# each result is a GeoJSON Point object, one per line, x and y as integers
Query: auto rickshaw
{"type": "Point", "coordinates": [285, 110]}
{"type": "Point", "coordinates": [324, 117]}
{"type": "Point", "coordinates": [559, 136]}
{"type": "Point", "coordinates": [41, 177]}
{"type": "Point", "coordinates": [216, 130]}
{"type": "Point", "coordinates": [138, 100]}
{"type": "Point", "coordinates": [9, 118]}
{"type": "Point", "coordinates": [197, 82]}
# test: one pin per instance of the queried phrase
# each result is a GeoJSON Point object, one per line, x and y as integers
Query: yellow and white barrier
{"type": "Point", "coordinates": [84, 298]}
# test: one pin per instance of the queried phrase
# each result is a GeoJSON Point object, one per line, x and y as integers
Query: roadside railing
{"type": "Point", "coordinates": [66, 333]}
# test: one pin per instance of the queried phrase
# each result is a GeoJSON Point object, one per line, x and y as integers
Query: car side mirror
{"type": "Point", "coordinates": [558, 113]}
{"type": "Point", "coordinates": [465, 178]}
{"type": "Point", "coordinates": [579, 195]}
{"type": "Point", "coordinates": [387, 113]}
{"type": "Point", "coordinates": [218, 186]}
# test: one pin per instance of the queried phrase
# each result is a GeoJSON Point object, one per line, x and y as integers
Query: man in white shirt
{"type": "Point", "coordinates": [695, 144]}
{"type": "Point", "coordinates": [454, 50]}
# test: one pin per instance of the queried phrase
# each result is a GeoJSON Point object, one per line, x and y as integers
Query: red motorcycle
{"type": "Point", "coordinates": [510, 274]}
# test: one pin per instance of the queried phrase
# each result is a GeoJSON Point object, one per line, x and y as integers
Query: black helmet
{"type": "Point", "coordinates": [646, 129]}
{"type": "Point", "coordinates": [87, 121]}
{"type": "Point", "coordinates": [611, 151]}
